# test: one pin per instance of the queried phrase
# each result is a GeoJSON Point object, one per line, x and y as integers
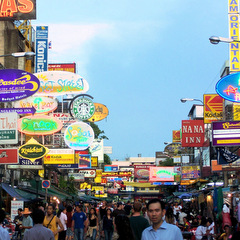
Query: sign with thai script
{"type": "Point", "coordinates": [192, 133]}
{"type": "Point", "coordinates": [41, 104]}
{"type": "Point", "coordinates": [68, 67]}
{"type": "Point", "coordinates": [79, 136]}
{"type": "Point", "coordinates": [15, 205]}
{"type": "Point", "coordinates": [8, 128]}
{"type": "Point", "coordinates": [163, 174]}
{"type": "Point", "coordinates": [39, 125]}
{"type": "Point", "coordinates": [190, 172]}
{"type": "Point", "coordinates": [60, 156]}
{"type": "Point", "coordinates": [57, 83]}
{"type": "Point", "coordinates": [17, 84]}
{"type": "Point", "coordinates": [88, 173]}
{"type": "Point", "coordinates": [228, 87]}
{"type": "Point", "coordinates": [101, 112]}
{"type": "Point", "coordinates": [17, 10]}
{"type": "Point", "coordinates": [8, 156]}
{"type": "Point", "coordinates": [226, 133]}
{"type": "Point", "coordinates": [141, 171]}
{"type": "Point", "coordinates": [213, 107]}
{"type": "Point", "coordinates": [234, 54]}
{"type": "Point", "coordinates": [41, 63]}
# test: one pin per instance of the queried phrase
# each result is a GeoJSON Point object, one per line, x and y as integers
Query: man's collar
{"type": "Point", "coordinates": [163, 226]}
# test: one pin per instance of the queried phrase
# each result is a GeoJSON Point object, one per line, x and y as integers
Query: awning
{"type": "Point", "coordinates": [26, 195]}
{"type": "Point", "coordinates": [12, 192]}
{"type": "Point", "coordinates": [138, 184]}
{"type": "Point", "coordinates": [192, 181]}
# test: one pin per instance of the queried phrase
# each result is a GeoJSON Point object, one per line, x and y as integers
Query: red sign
{"type": "Point", "coordinates": [68, 67]}
{"type": "Point", "coordinates": [141, 171]}
{"type": "Point", "coordinates": [8, 156]}
{"type": "Point", "coordinates": [192, 133]}
{"type": "Point", "coordinates": [117, 174]}
{"type": "Point", "coordinates": [45, 184]}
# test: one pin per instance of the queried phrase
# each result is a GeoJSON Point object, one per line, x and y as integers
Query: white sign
{"type": "Point", "coordinates": [65, 118]}
{"type": "Point", "coordinates": [177, 159]}
{"type": "Point", "coordinates": [97, 150]}
{"type": "Point", "coordinates": [185, 159]}
{"type": "Point", "coordinates": [15, 205]}
{"type": "Point", "coordinates": [90, 173]}
{"type": "Point", "coordinates": [107, 150]}
{"type": "Point", "coordinates": [8, 128]}
{"type": "Point", "coordinates": [79, 177]}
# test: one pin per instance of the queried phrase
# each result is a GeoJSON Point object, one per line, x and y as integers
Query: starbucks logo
{"type": "Point", "coordinates": [83, 108]}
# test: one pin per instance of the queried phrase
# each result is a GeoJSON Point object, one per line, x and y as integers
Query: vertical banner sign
{"type": "Point", "coordinates": [176, 136]}
{"type": "Point", "coordinates": [41, 49]}
{"type": "Point", "coordinates": [233, 14]}
{"type": "Point", "coordinates": [192, 133]}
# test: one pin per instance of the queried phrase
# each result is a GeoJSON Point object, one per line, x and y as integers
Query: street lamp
{"type": "Point", "coordinates": [216, 40]}
{"type": "Point", "coordinates": [37, 179]}
{"type": "Point", "coordinates": [20, 54]}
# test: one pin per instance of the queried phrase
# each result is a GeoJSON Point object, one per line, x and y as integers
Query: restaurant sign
{"type": "Point", "coordinates": [8, 156]}
{"type": "Point", "coordinates": [101, 112]}
{"type": "Point", "coordinates": [141, 171]}
{"type": "Point", "coordinates": [32, 150]}
{"type": "Point", "coordinates": [17, 84]}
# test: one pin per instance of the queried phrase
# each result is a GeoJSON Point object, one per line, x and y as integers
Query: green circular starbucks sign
{"type": "Point", "coordinates": [83, 108]}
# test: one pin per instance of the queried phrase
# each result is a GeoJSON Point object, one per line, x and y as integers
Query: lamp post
{"type": "Point", "coordinates": [37, 179]}
{"type": "Point", "coordinates": [215, 40]}
{"type": "Point", "coordinates": [19, 54]}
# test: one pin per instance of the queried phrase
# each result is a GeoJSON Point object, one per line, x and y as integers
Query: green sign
{"type": "Point", "coordinates": [7, 134]}
{"type": "Point", "coordinates": [83, 108]}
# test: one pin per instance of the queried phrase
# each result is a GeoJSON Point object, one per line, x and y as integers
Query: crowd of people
{"type": "Point", "coordinates": [118, 221]}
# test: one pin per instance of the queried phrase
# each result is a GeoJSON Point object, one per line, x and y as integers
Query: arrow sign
{"type": "Point", "coordinates": [31, 110]}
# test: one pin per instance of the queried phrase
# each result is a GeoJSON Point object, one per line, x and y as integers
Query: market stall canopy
{"type": "Point", "coordinates": [12, 192]}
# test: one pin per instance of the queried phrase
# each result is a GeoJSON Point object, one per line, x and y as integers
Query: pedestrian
{"type": "Point", "coordinates": [201, 230]}
{"type": "Point", "coordinates": [108, 225]}
{"type": "Point", "coordinates": [181, 215]}
{"type": "Point", "coordinates": [38, 231]}
{"type": "Point", "coordinates": [169, 217]}
{"type": "Point", "coordinates": [123, 227]}
{"type": "Point", "coordinates": [18, 221]}
{"type": "Point", "coordinates": [27, 222]}
{"type": "Point", "coordinates": [176, 210]}
{"type": "Point", "coordinates": [227, 235]}
{"type": "Point", "coordinates": [160, 229]}
{"type": "Point", "coordinates": [52, 222]}
{"type": "Point", "coordinates": [93, 224]}
{"type": "Point", "coordinates": [119, 210]}
{"type": "Point", "coordinates": [79, 223]}
{"type": "Point", "coordinates": [69, 233]}
{"type": "Point", "coordinates": [102, 213]}
{"type": "Point", "coordinates": [128, 208]}
{"type": "Point", "coordinates": [4, 234]}
{"type": "Point", "coordinates": [63, 218]}
{"type": "Point", "coordinates": [137, 222]}
{"type": "Point", "coordinates": [210, 228]}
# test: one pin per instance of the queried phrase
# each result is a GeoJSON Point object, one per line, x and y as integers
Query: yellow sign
{"type": "Point", "coordinates": [94, 161]}
{"type": "Point", "coordinates": [101, 112]}
{"type": "Point", "coordinates": [85, 185]}
{"type": "Point", "coordinates": [234, 58]}
{"type": "Point", "coordinates": [98, 172]}
{"type": "Point", "coordinates": [60, 156]}
{"type": "Point", "coordinates": [236, 111]}
{"type": "Point", "coordinates": [99, 191]}
{"type": "Point", "coordinates": [41, 173]}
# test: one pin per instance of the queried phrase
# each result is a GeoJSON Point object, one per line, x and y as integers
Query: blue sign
{"type": "Point", "coordinates": [110, 168]}
{"type": "Point", "coordinates": [164, 183]}
{"type": "Point", "coordinates": [41, 49]}
{"type": "Point", "coordinates": [23, 161]}
{"type": "Point", "coordinates": [65, 166]}
{"type": "Point", "coordinates": [228, 87]}
{"type": "Point", "coordinates": [45, 184]}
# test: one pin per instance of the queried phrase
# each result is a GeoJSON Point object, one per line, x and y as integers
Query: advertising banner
{"type": "Point", "coordinates": [88, 173]}
{"type": "Point", "coordinates": [236, 111]}
{"type": "Point", "coordinates": [17, 10]}
{"type": "Point", "coordinates": [8, 128]}
{"type": "Point", "coordinates": [24, 161]}
{"type": "Point", "coordinates": [78, 177]}
{"type": "Point", "coordinates": [161, 174]}
{"type": "Point", "coordinates": [41, 58]}
{"type": "Point", "coordinates": [110, 168]}
{"type": "Point", "coordinates": [96, 149]}
{"type": "Point", "coordinates": [117, 174]}
{"type": "Point", "coordinates": [15, 205]}
{"type": "Point", "coordinates": [60, 156]}
{"type": "Point", "coordinates": [141, 172]}
{"type": "Point", "coordinates": [192, 133]}
{"type": "Point", "coordinates": [226, 133]}
{"type": "Point", "coordinates": [101, 112]}
{"type": "Point", "coordinates": [176, 136]}
{"type": "Point", "coordinates": [213, 107]}
{"type": "Point", "coordinates": [66, 166]}
{"type": "Point", "coordinates": [68, 67]}
{"type": "Point", "coordinates": [84, 160]}
{"type": "Point", "coordinates": [8, 156]}
{"type": "Point", "coordinates": [190, 172]}
{"type": "Point", "coordinates": [65, 118]}
{"type": "Point", "coordinates": [94, 161]}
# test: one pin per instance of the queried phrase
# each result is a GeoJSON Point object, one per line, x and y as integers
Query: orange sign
{"type": "Point", "coordinates": [215, 166]}
{"type": "Point", "coordinates": [101, 112]}
{"type": "Point", "coordinates": [176, 137]}
{"type": "Point", "coordinates": [213, 107]}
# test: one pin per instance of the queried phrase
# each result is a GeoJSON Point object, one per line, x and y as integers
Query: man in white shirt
{"type": "Point", "coordinates": [181, 216]}
{"type": "Point", "coordinates": [4, 234]}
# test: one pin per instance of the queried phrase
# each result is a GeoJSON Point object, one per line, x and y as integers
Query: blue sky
{"type": "Point", "coordinates": [139, 58]}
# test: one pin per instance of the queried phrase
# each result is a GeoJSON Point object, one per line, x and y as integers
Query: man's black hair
{"type": "Point", "coordinates": [156, 200]}
{"type": "Point", "coordinates": [20, 210]}
{"type": "Point", "coordinates": [38, 216]}
{"type": "Point", "coordinates": [2, 215]}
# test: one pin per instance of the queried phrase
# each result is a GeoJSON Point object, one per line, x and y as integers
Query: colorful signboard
{"type": "Point", "coordinates": [234, 53]}
{"type": "Point", "coordinates": [228, 87]}
{"type": "Point", "coordinates": [57, 83]}
{"type": "Point", "coordinates": [65, 118]}
{"type": "Point", "coordinates": [84, 160]}
{"type": "Point", "coordinates": [66, 166]}
{"type": "Point", "coordinates": [31, 110]}
{"type": "Point", "coordinates": [88, 173]}
{"type": "Point", "coordinates": [41, 104]}
{"type": "Point", "coordinates": [17, 10]}
{"type": "Point", "coordinates": [32, 150]}
{"type": "Point", "coordinates": [78, 177]}
{"type": "Point", "coordinates": [141, 171]}
{"type": "Point", "coordinates": [213, 107]}
{"type": "Point", "coordinates": [236, 111]}
{"type": "Point", "coordinates": [117, 174]}
{"type": "Point", "coordinates": [79, 136]}
{"type": "Point", "coordinates": [8, 156]}
{"type": "Point", "coordinates": [15, 205]}
{"type": "Point", "coordinates": [68, 67]}
{"type": "Point", "coordinates": [161, 174]}
{"type": "Point", "coordinates": [226, 133]}
{"type": "Point", "coordinates": [39, 125]}
{"type": "Point", "coordinates": [101, 112]}
{"type": "Point", "coordinates": [41, 58]}
{"type": "Point", "coordinates": [82, 108]}
{"type": "Point", "coordinates": [176, 136]}
{"type": "Point", "coordinates": [8, 128]}
{"type": "Point", "coordinates": [110, 168]}
{"type": "Point", "coordinates": [24, 161]}
{"type": "Point", "coordinates": [94, 161]}
{"type": "Point", "coordinates": [192, 133]}
{"type": "Point", "coordinates": [60, 156]}
{"type": "Point", "coordinates": [96, 149]}
{"type": "Point", "coordinates": [190, 172]}
{"type": "Point", "coordinates": [17, 84]}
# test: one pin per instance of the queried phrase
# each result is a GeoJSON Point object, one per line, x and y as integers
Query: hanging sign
{"type": "Point", "coordinates": [101, 112]}
{"type": "Point", "coordinates": [32, 150]}
{"type": "Point", "coordinates": [57, 83]}
{"type": "Point", "coordinates": [39, 125]}
{"type": "Point", "coordinates": [8, 156]}
{"type": "Point", "coordinates": [17, 84]}
{"type": "Point", "coordinates": [60, 156]}
{"type": "Point", "coordinates": [41, 104]}
{"type": "Point", "coordinates": [79, 136]}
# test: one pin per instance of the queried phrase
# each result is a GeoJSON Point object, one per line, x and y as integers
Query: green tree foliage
{"type": "Point", "coordinates": [168, 162]}
{"type": "Point", "coordinates": [107, 160]}
{"type": "Point", "coordinates": [68, 186]}
{"type": "Point", "coordinates": [99, 134]}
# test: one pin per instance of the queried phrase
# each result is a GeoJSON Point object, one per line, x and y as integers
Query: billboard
{"type": "Point", "coordinates": [161, 174]}
{"type": "Point", "coordinates": [65, 118]}
{"type": "Point", "coordinates": [8, 156]}
{"type": "Point", "coordinates": [68, 67]}
{"type": "Point", "coordinates": [88, 173]}
{"type": "Point", "coordinates": [213, 107]}
{"type": "Point", "coordinates": [110, 168]}
{"type": "Point", "coordinates": [101, 112]}
{"type": "Point", "coordinates": [176, 136]}
{"type": "Point", "coordinates": [236, 111]}
{"type": "Point", "coordinates": [141, 171]}
{"type": "Point", "coordinates": [190, 172]}
{"type": "Point", "coordinates": [59, 156]}
{"type": "Point", "coordinates": [226, 133]}
{"type": "Point", "coordinates": [192, 133]}
{"type": "Point", "coordinates": [84, 160]}
{"type": "Point", "coordinates": [17, 10]}
{"type": "Point", "coordinates": [94, 161]}
{"type": "Point", "coordinates": [96, 149]}
{"type": "Point", "coordinates": [41, 58]}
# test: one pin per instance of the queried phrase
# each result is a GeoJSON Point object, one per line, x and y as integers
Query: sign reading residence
{"type": "Point", "coordinates": [39, 125]}
{"type": "Point", "coordinates": [57, 83]}
{"type": "Point", "coordinates": [8, 128]}
{"type": "Point", "coordinates": [8, 156]}
{"type": "Point", "coordinates": [101, 112]}
{"type": "Point", "coordinates": [17, 84]}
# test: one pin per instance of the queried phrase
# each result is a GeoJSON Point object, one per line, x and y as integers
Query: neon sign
{"type": "Point", "coordinates": [39, 125]}
{"type": "Point", "coordinates": [57, 83]}
{"type": "Point", "coordinates": [229, 87]}
{"type": "Point", "coordinates": [79, 136]}
{"type": "Point", "coordinates": [161, 174]}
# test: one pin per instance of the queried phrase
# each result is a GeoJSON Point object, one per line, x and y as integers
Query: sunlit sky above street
{"type": "Point", "coordinates": [140, 57]}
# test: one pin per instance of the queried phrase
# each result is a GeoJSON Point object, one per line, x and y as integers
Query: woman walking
{"type": "Point", "coordinates": [93, 224]}
{"type": "Point", "coordinates": [108, 225]}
